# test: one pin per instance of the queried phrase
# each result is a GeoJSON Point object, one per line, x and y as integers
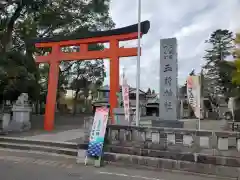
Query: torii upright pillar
{"type": "Point", "coordinates": [113, 53]}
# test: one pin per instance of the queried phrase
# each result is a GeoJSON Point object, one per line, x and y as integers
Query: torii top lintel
{"type": "Point", "coordinates": [120, 34]}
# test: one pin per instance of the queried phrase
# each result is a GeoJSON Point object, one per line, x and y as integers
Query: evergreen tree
{"type": "Point", "coordinates": [221, 44]}
{"type": "Point", "coordinates": [236, 74]}
{"type": "Point", "coordinates": [153, 92]}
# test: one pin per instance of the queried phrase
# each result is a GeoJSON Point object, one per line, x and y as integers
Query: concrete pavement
{"type": "Point", "coordinates": [16, 165]}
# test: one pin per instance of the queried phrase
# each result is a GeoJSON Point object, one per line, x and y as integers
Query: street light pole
{"type": "Point", "coordinates": [138, 65]}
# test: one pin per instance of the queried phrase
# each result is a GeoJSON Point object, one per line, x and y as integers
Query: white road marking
{"type": "Point", "coordinates": [126, 175]}
{"type": "Point", "coordinates": [146, 178]}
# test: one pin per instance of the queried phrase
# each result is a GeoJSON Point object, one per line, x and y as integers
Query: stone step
{"type": "Point", "coordinates": [53, 147]}
{"type": "Point", "coordinates": [69, 149]}
{"type": "Point", "coordinates": [39, 148]}
{"type": "Point", "coordinates": [69, 145]}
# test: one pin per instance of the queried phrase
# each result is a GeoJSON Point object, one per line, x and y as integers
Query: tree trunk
{"type": "Point", "coordinates": [7, 38]}
{"type": "Point", "coordinates": [75, 102]}
{"type": "Point", "coordinates": [36, 107]}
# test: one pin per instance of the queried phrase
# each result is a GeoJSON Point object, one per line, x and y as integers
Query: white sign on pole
{"type": "Point", "coordinates": [194, 94]}
{"type": "Point", "coordinates": [125, 94]}
{"type": "Point", "coordinates": [168, 79]}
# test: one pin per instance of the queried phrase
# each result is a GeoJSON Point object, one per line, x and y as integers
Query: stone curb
{"type": "Point", "coordinates": [168, 164]}
{"type": "Point", "coordinates": [194, 157]}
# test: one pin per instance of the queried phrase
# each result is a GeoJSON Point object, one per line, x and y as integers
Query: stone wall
{"type": "Point", "coordinates": [206, 152]}
{"type": "Point", "coordinates": [171, 138]}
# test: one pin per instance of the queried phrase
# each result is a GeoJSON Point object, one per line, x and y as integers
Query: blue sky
{"type": "Point", "coordinates": [190, 21]}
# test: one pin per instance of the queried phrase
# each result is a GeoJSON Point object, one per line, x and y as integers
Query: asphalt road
{"type": "Point", "coordinates": [22, 166]}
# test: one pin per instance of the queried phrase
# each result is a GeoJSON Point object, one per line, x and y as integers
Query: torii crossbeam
{"type": "Point", "coordinates": [113, 53]}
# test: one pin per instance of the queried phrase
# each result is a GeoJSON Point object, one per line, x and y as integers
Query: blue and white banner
{"type": "Point", "coordinates": [98, 131]}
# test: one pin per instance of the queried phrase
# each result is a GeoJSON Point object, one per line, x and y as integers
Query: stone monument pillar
{"type": "Point", "coordinates": [169, 103]}
{"type": "Point", "coordinates": [21, 114]}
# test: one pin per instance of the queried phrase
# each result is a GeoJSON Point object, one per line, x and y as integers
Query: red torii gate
{"type": "Point", "coordinates": [113, 53]}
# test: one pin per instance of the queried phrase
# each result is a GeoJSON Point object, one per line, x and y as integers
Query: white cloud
{"type": "Point", "coordinates": [190, 21]}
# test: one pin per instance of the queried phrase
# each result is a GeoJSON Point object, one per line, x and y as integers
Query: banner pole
{"type": "Point", "coordinates": [200, 100]}
{"type": "Point", "coordinates": [138, 66]}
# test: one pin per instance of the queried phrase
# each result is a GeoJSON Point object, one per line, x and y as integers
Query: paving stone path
{"type": "Point", "coordinates": [68, 135]}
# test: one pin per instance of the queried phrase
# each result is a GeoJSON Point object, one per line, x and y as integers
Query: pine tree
{"type": "Point", "coordinates": [221, 44]}
{"type": "Point", "coordinates": [236, 74]}
{"type": "Point", "coordinates": [153, 92]}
